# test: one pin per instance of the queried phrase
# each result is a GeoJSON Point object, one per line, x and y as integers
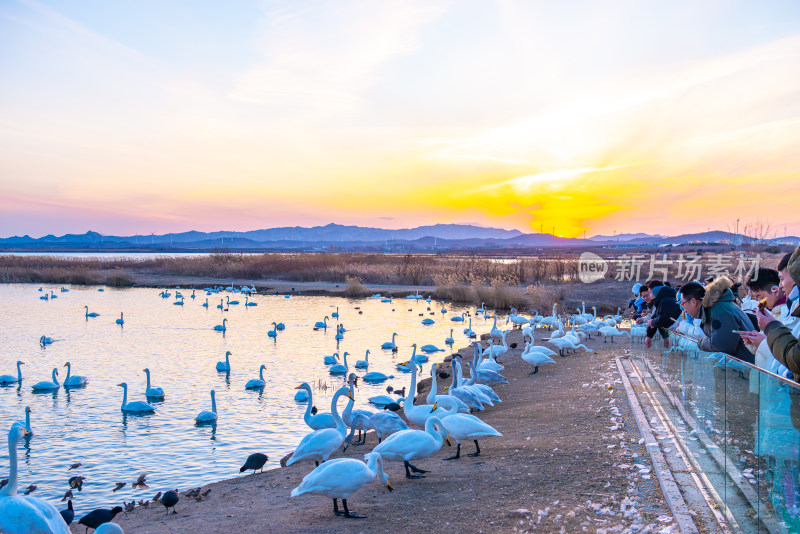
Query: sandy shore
{"type": "Point", "coordinates": [565, 463]}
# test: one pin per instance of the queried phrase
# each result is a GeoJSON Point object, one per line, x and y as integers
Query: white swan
{"type": "Point", "coordinates": [472, 382]}
{"type": "Point", "coordinates": [330, 360]}
{"type": "Point", "coordinates": [73, 380]}
{"type": "Point", "coordinates": [226, 365]}
{"type": "Point", "coordinates": [385, 423]}
{"type": "Point", "coordinates": [46, 385]}
{"type": "Point", "coordinates": [376, 376]}
{"type": "Point", "coordinates": [468, 331]}
{"type": "Point", "coordinates": [472, 398]}
{"type": "Point", "coordinates": [135, 406]}
{"type": "Point", "coordinates": [322, 324]}
{"type": "Point", "coordinates": [433, 396]}
{"type": "Point", "coordinates": [416, 414]}
{"type": "Point", "coordinates": [449, 340]}
{"type": "Point", "coordinates": [356, 419]}
{"type": "Point", "coordinates": [536, 359]}
{"type": "Point", "coordinates": [408, 445]}
{"type": "Point", "coordinates": [564, 344]}
{"type": "Point", "coordinates": [335, 314]}
{"type": "Point", "coordinates": [339, 368]}
{"type": "Point", "coordinates": [92, 314]}
{"type": "Point", "coordinates": [431, 348]}
{"type": "Point", "coordinates": [27, 423]}
{"type": "Point", "coordinates": [462, 426]}
{"type": "Point", "coordinates": [221, 327]}
{"type": "Point", "coordinates": [44, 340]}
{"type": "Point", "coordinates": [495, 332]}
{"type": "Point", "coordinates": [458, 318]}
{"type": "Point", "coordinates": [339, 478]}
{"type": "Point", "coordinates": [390, 344]}
{"type": "Point", "coordinates": [610, 331]}
{"type": "Point", "coordinates": [11, 379]}
{"type": "Point", "coordinates": [152, 391]}
{"type": "Point", "coordinates": [320, 444]}
{"type": "Point", "coordinates": [257, 383]}
{"type": "Point", "coordinates": [274, 331]}
{"type": "Point", "coordinates": [247, 302]}
{"type": "Point", "coordinates": [316, 421]}
{"type": "Point", "coordinates": [23, 514]}
{"type": "Point", "coordinates": [363, 364]}
{"type": "Point", "coordinates": [120, 320]}
{"type": "Point", "coordinates": [205, 304]}
{"type": "Point", "coordinates": [208, 417]}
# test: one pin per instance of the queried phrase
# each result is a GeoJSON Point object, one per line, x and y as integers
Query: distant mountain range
{"type": "Point", "coordinates": [338, 237]}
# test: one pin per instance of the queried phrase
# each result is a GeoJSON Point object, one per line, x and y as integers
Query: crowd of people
{"type": "Point", "coordinates": [762, 328]}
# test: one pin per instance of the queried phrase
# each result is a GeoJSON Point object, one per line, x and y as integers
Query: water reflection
{"type": "Point", "coordinates": [182, 349]}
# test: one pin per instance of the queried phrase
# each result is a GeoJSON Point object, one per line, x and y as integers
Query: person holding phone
{"type": "Point", "coordinates": [781, 335]}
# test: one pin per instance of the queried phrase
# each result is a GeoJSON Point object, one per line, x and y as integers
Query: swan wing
{"type": "Point", "coordinates": [28, 515]}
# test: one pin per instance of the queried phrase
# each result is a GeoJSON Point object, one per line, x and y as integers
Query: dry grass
{"type": "Point", "coordinates": [355, 288]}
{"type": "Point", "coordinates": [543, 297]}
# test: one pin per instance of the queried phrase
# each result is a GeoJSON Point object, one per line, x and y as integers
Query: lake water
{"type": "Point", "coordinates": [181, 349]}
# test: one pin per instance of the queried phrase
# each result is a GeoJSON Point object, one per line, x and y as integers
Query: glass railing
{"type": "Point", "coordinates": [740, 426]}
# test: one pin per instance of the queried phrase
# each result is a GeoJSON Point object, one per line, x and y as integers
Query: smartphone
{"type": "Point", "coordinates": [740, 332]}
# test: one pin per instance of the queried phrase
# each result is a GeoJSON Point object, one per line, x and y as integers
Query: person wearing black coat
{"type": "Point", "coordinates": [665, 311]}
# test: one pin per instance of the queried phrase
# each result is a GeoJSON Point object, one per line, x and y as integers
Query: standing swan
{"type": "Point", "coordinates": [152, 391]}
{"type": "Point", "coordinates": [47, 385]}
{"type": "Point", "coordinates": [257, 383]}
{"type": "Point", "coordinates": [320, 444]}
{"type": "Point", "coordinates": [408, 445]}
{"type": "Point", "coordinates": [226, 365]}
{"type": "Point", "coordinates": [339, 478]}
{"type": "Point", "coordinates": [23, 514]}
{"type": "Point", "coordinates": [208, 417]}
{"type": "Point", "coordinates": [73, 380]}
{"type": "Point", "coordinates": [135, 406]}
{"type": "Point", "coordinates": [9, 379]}
{"type": "Point", "coordinates": [461, 426]}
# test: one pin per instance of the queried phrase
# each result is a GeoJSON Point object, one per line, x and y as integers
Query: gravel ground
{"type": "Point", "coordinates": [570, 460]}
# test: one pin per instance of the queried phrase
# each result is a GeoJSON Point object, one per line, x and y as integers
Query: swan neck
{"type": "Point", "coordinates": [261, 376]}
{"type": "Point", "coordinates": [28, 420]}
{"type": "Point", "coordinates": [413, 388]}
{"type": "Point", "coordinates": [340, 426]}
{"type": "Point", "coordinates": [148, 379]}
{"type": "Point", "coordinates": [213, 403]}
{"type": "Point", "coordinates": [69, 371]}
{"type": "Point", "coordinates": [10, 489]}
{"type": "Point", "coordinates": [55, 380]}
{"type": "Point", "coordinates": [124, 395]}
{"type": "Point", "coordinates": [19, 372]}
{"type": "Point", "coordinates": [310, 401]}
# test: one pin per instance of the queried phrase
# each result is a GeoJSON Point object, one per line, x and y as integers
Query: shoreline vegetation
{"type": "Point", "coordinates": [527, 283]}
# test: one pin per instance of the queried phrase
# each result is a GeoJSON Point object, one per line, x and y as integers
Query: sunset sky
{"type": "Point", "coordinates": [159, 116]}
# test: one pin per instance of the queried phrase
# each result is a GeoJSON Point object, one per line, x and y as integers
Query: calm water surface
{"type": "Point", "coordinates": [180, 347]}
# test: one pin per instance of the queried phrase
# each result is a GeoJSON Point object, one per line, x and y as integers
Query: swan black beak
{"type": "Point", "coordinates": [389, 486]}
{"type": "Point", "coordinates": [299, 387]}
{"type": "Point", "coordinates": [434, 408]}
{"type": "Point", "coordinates": [25, 432]}
{"type": "Point", "coordinates": [120, 385]}
{"type": "Point", "coordinates": [448, 442]}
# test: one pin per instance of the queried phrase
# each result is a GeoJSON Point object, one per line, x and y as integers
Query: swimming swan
{"type": "Point", "coordinates": [22, 513]}
{"type": "Point", "coordinates": [73, 380]}
{"type": "Point", "coordinates": [92, 314]}
{"type": "Point", "coordinates": [152, 391]}
{"type": "Point", "coordinates": [135, 406]}
{"type": "Point", "coordinates": [363, 364]}
{"type": "Point", "coordinates": [317, 421]}
{"type": "Point", "coordinates": [340, 368]}
{"type": "Point", "coordinates": [226, 365]}
{"type": "Point", "coordinates": [208, 417]}
{"type": "Point", "coordinates": [257, 383]}
{"type": "Point", "coordinates": [10, 379]}
{"type": "Point", "coordinates": [221, 327]}
{"type": "Point", "coordinates": [47, 385]}
{"type": "Point", "coordinates": [120, 321]}
{"type": "Point", "coordinates": [390, 344]}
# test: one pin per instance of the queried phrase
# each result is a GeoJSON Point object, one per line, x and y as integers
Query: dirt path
{"type": "Point", "coordinates": [570, 460]}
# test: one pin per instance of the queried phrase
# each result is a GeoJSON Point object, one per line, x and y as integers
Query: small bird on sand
{"type": "Point", "coordinates": [254, 461]}
{"type": "Point", "coordinates": [76, 482]}
{"type": "Point", "coordinates": [129, 506]}
{"type": "Point", "coordinates": [140, 482]}
{"type": "Point", "coordinates": [74, 466]}
{"type": "Point", "coordinates": [30, 489]}
{"type": "Point", "coordinates": [118, 486]}
{"type": "Point", "coordinates": [169, 500]}
{"type": "Point", "coordinates": [157, 497]}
